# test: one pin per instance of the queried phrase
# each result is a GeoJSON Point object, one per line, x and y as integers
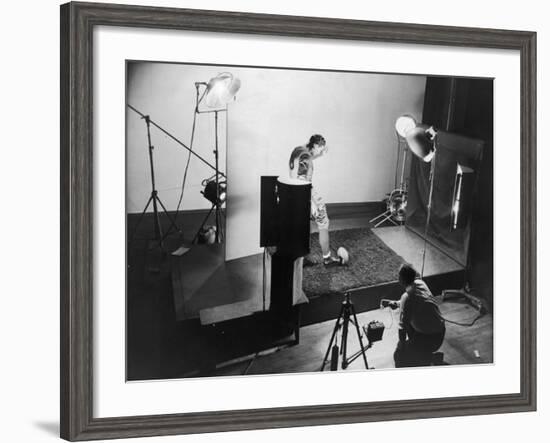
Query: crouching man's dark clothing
{"type": "Point", "coordinates": [421, 326]}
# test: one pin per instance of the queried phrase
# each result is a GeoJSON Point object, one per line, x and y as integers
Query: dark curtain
{"type": "Point", "coordinates": [452, 149]}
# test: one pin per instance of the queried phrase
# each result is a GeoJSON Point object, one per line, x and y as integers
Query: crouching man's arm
{"type": "Point", "coordinates": [404, 316]}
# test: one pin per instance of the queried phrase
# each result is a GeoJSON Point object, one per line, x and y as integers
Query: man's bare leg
{"type": "Point", "coordinates": [324, 242]}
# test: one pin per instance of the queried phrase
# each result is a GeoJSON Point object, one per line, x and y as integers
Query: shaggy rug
{"type": "Point", "coordinates": [371, 263]}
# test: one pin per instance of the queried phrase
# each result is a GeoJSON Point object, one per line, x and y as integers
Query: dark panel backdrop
{"type": "Point", "coordinates": [464, 106]}
{"type": "Point", "coordinates": [452, 150]}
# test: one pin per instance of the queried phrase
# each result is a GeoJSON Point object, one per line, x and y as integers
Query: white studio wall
{"type": "Point", "coordinates": [166, 92]}
{"type": "Point", "coordinates": [275, 110]}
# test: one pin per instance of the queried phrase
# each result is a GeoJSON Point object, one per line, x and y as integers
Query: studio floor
{"type": "Point", "coordinates": [159, 347]}
{"type": "Point", "coordinates": [462, 345]}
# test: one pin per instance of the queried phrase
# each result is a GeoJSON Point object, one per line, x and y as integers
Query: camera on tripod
{"type": "Point", "coordinates": [373, 332]}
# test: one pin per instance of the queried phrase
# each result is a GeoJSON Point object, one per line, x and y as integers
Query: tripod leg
{"type": "Point", "coordinates": [202, 224]}
{"type": "Point", "coordinates": [218, 225]}
{"type": "Point", "coordinates": [170, 218]}
{"type": "Point", "coordinates": [372, 220]}
{"type": "Point", "coordinates": [334, 358]}
{"type": "Point", "coordinates": [222, 225]}
{"type": "Point", "coordinates": [363, 350]}
{"type": "Point", "coordinates": [218, 237]}
{"type": "Point", "coordinates": [158, 228]}
{"type": "Point", "coordinates": [334, 331]}
{"type": "Point", "coordinates": [387, 217]}
{"type": "Point", "coordinates": [134, 231]}
{"type": "Point", "coordinates": [345, 337]}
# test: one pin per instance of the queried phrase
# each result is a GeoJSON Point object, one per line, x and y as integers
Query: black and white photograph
{"type": "Point", "coordinates": [296, 221]}
{"type": "Point", "coordinates": [232, 221]}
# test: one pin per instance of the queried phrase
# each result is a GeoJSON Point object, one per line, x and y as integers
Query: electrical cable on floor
{"type": "Point", "coordinates": [390, 312]}
{"type": "Point", "coordinates": [480, 314]}
{"type": "Point", "coordinates": [464, 324]}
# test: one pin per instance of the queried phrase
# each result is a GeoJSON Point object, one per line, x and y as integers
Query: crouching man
{"type": "Point", "coordinates": [421, 326]}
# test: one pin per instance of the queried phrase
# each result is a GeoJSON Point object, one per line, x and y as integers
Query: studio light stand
{"type": "Point", "coordinates": [347, 315]}
{"type": "Point", "coordinates": [428, 210]}
{"type": "Point", "coordinates": [154, 197]}
{"type": "Point", "coordinates": [397, 199]}
{"type": "Point", "coordinates": [423, 144]}
{"type": "Point", "coordinates": [216, 201]}
{"type": "Point", "coordinates": [218, 92]}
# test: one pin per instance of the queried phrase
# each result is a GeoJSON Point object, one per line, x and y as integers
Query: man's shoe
{"type": "Point", "coordinates": [332, 261]}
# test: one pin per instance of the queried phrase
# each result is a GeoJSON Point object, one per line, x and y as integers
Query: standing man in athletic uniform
{"type": "Point", "coordinates": [301, 167]}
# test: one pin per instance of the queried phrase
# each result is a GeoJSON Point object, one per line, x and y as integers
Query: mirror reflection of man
{"type": "Point", "coordinates": [421, 326]}
{"type": "Point", "coordinates": [301, 167]}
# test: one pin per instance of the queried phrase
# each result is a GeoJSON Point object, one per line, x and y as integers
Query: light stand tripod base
{"type": "Point", "coordinates": [154, 198]}
{"type": "Point", "coordinates": [159, 236]}
{"type": "Point", "coordinates": [385, 216]}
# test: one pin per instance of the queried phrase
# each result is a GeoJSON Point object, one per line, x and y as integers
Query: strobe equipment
{"type": "Point", "coordinates": [215, 191]}
{"type": "Point", "coordinates": [396, 203]}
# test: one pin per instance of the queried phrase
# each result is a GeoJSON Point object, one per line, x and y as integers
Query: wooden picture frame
{"type": "Point", "coordinates": [77, 23]}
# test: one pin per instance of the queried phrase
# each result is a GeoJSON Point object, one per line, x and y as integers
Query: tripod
{"type": "Point", "coordinates": [154, 198]}
{"type": "Point", "coordinates": [347, 315]}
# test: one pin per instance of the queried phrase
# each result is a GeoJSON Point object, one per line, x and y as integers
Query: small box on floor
{"type": "Point", "coordinates": [374, 331]}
